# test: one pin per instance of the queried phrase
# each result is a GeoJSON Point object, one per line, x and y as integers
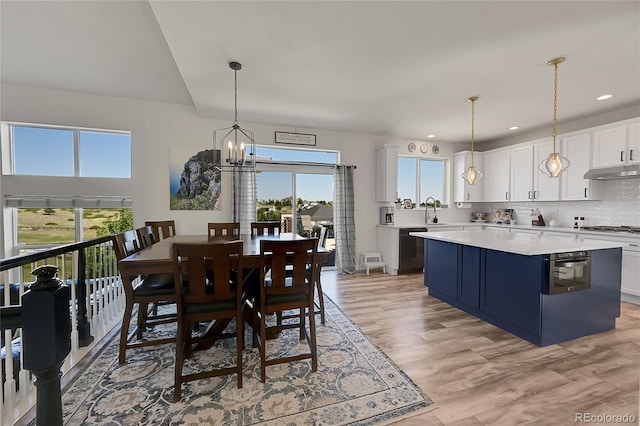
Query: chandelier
{"type": "Point", "coordinates": [236, 145]}
{"type": "Point", "coordinates": [472, 175]}
{"type": "Point", "coordinates": [554, 164]}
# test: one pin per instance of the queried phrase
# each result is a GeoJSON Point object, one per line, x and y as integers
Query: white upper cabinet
{"type": "Point", "coordinates": [634, 142]}
{"type": "Point", "coordinates": [387, 174]}
{"type": "Point", "coordinates": [521, 185]}
{"type": "Point", "coordinates": [617, 144]}
{"type": "Point", "coordinates": [527, 182]}
{"type": "Point", "coordinates": [576, 148]}
{"type": "Point", "coordinates": [495, 175]}
{"type": "Point", "coordinates": [462, 191]}
{"type": "Point", "coordinates": [545, 188]}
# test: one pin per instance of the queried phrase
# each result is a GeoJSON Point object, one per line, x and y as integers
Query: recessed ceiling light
{"type": "Point", "coordinates": [604, 97]}
{"type": "Point", "coordinates": [431, 136]}
{"type": "Point", "coordinates": [514, 127]}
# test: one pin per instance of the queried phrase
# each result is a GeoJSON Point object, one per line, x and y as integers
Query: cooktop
{"type": "Point", "coordinates": [607, 228]}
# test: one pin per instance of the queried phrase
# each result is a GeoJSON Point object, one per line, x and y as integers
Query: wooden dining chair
{"type": "Point", "coordinates": [206, 299]}
{"type": "Point", "coordinates": [162, 228]}
{"type": "Point", "coordinates": [271, 227]}
{"type": "Point", "coordinates": [142, 291]}
{"type": "Point", "coordinates": [319, 304]}
{"type": "Point", "coordinates": [145, 236]}
{"type": "Point", "coordinates": [285, 284]}
{"type": "Point", "coordinates": [223, 229]}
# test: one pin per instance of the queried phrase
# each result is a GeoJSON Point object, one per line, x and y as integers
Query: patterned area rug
{"type": "Point", "coordinates": [355, 384]}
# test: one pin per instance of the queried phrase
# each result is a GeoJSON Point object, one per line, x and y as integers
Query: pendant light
{"type": "Point", "coordinates": [237, 143]}
{"type": "Point", "coordinates": [554, 164]}
{"type": "Point", "coordinates": [472, 175]}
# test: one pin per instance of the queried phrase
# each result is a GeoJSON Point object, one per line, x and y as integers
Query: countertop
{"type": "Point", "coordinates": [524, 243]}
{"type": "Point", "coordinates": [633, 239]}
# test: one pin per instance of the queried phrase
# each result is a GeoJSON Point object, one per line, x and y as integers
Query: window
{"type": "Point", "coordinates": [53, 151]}
{"type": "Point", "coordinates": [421, 178]}
{"type": "Point", "coordinates": [296, 155]}
{"type": "Point", "coordinates": [295, 182]}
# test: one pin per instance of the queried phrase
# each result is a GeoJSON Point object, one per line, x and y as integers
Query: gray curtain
{"type": "Point", "coordinates": [344, 219]}
{"type": "Point", "coordinates": [244, 198]}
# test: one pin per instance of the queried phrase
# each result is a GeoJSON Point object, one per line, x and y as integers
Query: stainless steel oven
{"type": "Point", "coordinates": [570, 271]}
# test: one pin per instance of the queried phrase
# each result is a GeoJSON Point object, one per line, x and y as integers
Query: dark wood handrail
{"type": "Point", "coordinates": [23, 259]}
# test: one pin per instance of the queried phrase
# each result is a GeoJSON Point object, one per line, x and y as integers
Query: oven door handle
{"type": "Point", "coordinates": [571, 264]}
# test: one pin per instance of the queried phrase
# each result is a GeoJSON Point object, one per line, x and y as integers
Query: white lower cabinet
{"type": "Point", "coordinates": [630, 274]}
{"type": "Point", "coordinates": [389, 248]}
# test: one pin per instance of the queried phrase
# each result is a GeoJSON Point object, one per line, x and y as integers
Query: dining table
{"type": "Point", "coordinates": [158, 259]}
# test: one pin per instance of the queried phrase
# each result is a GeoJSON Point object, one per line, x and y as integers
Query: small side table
{"type": "Point", "coordinates": [372, 260]}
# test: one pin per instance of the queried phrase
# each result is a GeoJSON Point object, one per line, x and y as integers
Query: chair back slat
{"type": "Point", "coordinates": [125, 244]}
{"type": "Point", "coordinates": [271, 227]}
{"type": "Point", "coordinates": [287, 263]}
{"type": "Point", "coordinates": [145, 236]}
{"type": "Point", "coordinates": [162, 228]}
{"type": "Point", "coordinates": [206, 270]}
{"type": "Point", "coordinates": [223, 229]}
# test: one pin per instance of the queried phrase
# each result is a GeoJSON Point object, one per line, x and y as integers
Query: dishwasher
{"type": "Point", "coordinates": [411, 251]}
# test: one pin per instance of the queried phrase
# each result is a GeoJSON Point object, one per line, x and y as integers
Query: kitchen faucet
{"type": "Point", "coordinates": [427, 216]}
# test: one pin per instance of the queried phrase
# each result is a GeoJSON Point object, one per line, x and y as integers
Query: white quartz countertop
{"type": "Point", "coordinates": [434, 226]}
{"type": "Point", "coordinates": [524, 243]}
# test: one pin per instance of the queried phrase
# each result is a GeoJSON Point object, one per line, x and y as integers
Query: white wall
{"type": "Point", "coordinates": [155, 128]}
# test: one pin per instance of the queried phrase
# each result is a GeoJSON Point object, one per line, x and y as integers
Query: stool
{"type": "Point", "coordinates": [372, 260]}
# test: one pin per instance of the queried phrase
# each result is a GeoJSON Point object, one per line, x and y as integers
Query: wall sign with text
{"type": "Point", "coordinates": [296, 138]}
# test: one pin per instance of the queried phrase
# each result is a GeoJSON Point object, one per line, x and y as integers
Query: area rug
{"type": "Point", "coordinates": [355, 384]}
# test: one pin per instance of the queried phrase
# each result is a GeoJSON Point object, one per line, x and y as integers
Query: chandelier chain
{"type": "Point", "coordinates": [555, 105]}
{"type": "Point", "coordinates": [473, 134]}
{"type": "Point", "coordinates": [235, 77]}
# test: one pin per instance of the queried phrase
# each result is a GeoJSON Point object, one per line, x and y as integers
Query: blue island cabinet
{"type": "Point", "coordinates": [507, 290]}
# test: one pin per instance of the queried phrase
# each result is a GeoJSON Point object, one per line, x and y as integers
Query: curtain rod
{"type": "Point", "coordinates": [294, 163]}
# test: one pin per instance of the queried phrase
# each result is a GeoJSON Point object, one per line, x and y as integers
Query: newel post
{"type": "Point", "coordinates": [46, 328]}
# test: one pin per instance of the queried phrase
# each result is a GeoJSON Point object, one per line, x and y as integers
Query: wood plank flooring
{"type": "Point", "coordinates": [478, 374]}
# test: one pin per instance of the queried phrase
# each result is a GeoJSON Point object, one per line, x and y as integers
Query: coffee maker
{"type": "Point", "coordinates": [386, 215]}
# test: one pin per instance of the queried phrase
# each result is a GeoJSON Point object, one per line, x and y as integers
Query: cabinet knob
{"type": "Point", "coordinates": [630, 155]}
{"type": "Point", "coordinates": [621, 155]}
{"type": "Point", "coordinates": [529, 196]}
{"type": "Point", "coordinates": [585, 192]}
{"type": "Point", "coordinates": [506, 195]}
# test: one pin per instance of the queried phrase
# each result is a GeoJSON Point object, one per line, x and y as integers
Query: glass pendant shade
{"type": "Point", "coordinates": [554, 165]}
{"type": "Point", "coordinates": [472, 175]}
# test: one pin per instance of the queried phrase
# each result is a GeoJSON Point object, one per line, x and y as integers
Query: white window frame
{"type": "Point", "coordinates": [446, 196]}
{"type": "Point", "coordinates": [8, 149]}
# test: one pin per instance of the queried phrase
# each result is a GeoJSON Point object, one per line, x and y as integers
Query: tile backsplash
{"type": "Point", "coordinates": [619, 204]}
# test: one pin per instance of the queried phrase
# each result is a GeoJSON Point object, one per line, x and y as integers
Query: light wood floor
{"type": "Point", "coordinates": [478, 374]}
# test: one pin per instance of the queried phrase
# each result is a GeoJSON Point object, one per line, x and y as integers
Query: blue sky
{"type": "Point", "coordinates": [50, 152]}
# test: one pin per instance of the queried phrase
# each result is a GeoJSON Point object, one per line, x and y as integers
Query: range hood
{"type": "Point", "coordinates": [617, 172]}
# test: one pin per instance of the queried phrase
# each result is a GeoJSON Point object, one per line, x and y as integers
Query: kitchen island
{"type": "Point", "coordinates": [509, 279]}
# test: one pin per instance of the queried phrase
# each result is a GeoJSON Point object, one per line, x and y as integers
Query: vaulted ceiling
{"type": "Point", "coordinates": [391, 68]}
